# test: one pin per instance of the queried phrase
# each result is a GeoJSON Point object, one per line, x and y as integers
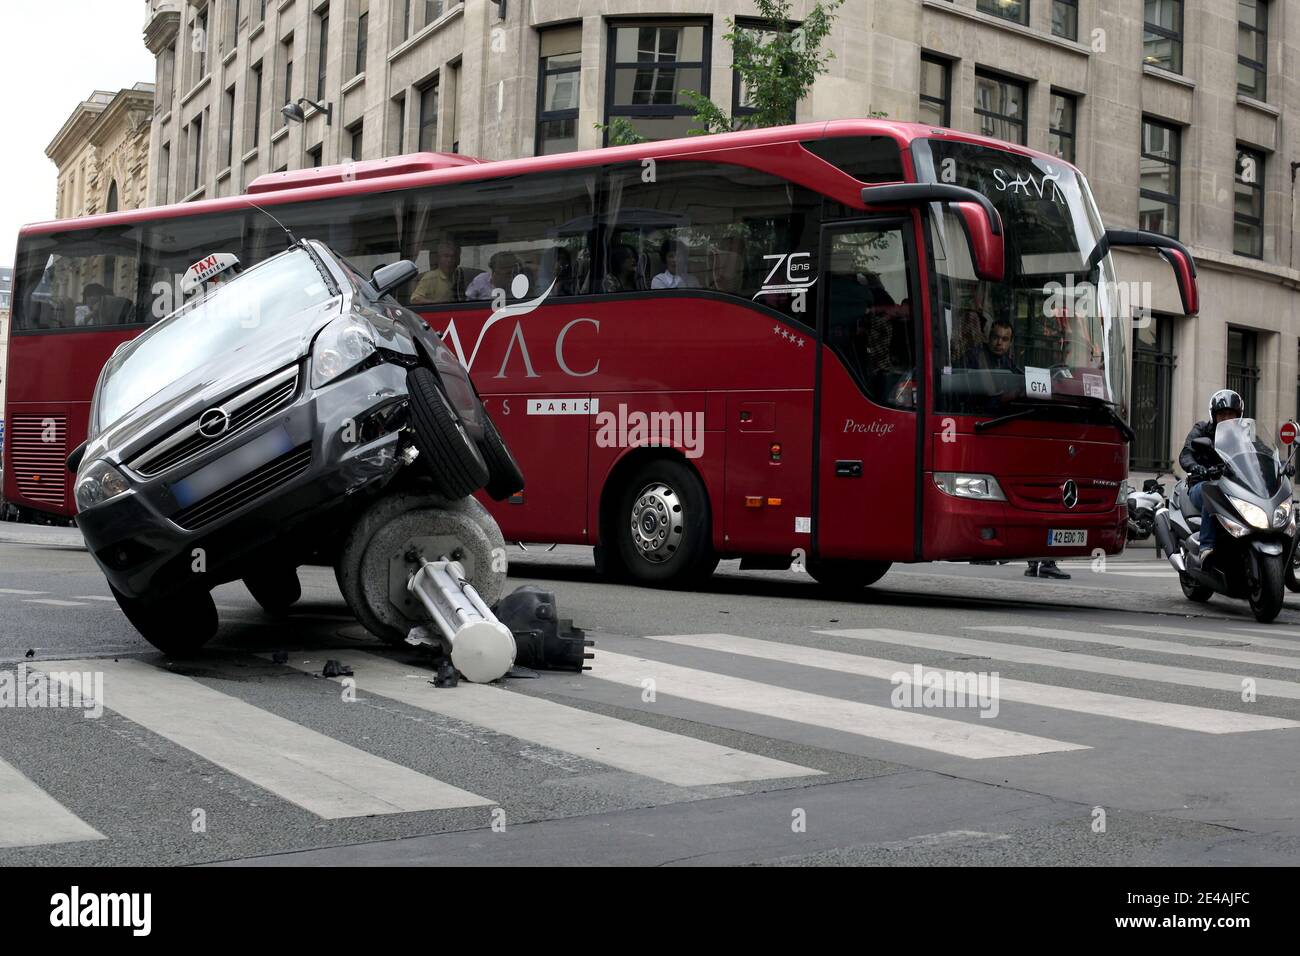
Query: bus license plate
{"type": "Point", "coordinates": [1058, 538]}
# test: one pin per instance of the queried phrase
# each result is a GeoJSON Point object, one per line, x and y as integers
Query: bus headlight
{"type": "Point", "coordinates": [340, 347]}
{"type": "Point", "coordinates": [98, 483]}
{"type": "Point", "coordinates": [981, 487]}
{"type": "Point", "coordinates": [1282, 515]}
{"type": "Point", "coordinates": [1254, 515]}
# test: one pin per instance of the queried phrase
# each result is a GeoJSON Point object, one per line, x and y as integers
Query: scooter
{"type": "Point", "coordinates": [1251, 501]}
{"type": "Point", "coordinates": [1142, 507]}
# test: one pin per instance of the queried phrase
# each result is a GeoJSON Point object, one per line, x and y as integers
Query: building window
{"type": "Point", "coordinates": [322, 61]}
{"type": "Point", "coordinates": [1017, 11]}
{"type": "Point", "coordinates": [1162, 41]}
{"type": "Point", "coordinates": [164, 183]}
{"type": "Point", "coordinates": [741, 95]}
{"type": "Point", "coordinates": [1065, 19]}
{"type": "Point", "coordinates": [314, 155]}
{"type": "Point", "coordinates": [363, 36]}
{"type": "Point", "coordinates": [1243, 366]}
{"type": "Point", "coordinates": [399, 122]}
{"type": "Point", "coordinates": [261, 10]}
{"type": "Point", "coordinates": [199, 46]}
{"type": "Point", "coordinates": [1252, 48]}
{"type": "Point", "coordinates": [1248, 204]}
{"type": "Point", "coordinates": [257, 104]}
{"type": "Point", "coordinates": [1153, 394]}
{"type": "Point", "coordinates": [558, 84]}
{"type": "Point", "coordinates": [232, 25]}
{"type": "Point", "coordinates": [936, 90]}
{"type": "Point", "coordinates": [1000, 107]}
{"type": "Point", "coordinates": [286, 49]}
{"type": "Point", "coordinates": [652, 64]}
{"type": "Point", "coordinates": [196, 152]}
{"type": "Point", "coordinates": [355, 132]}
{"type": "Point", "coordinates": [1158, 197]}
{"type": "Point", "coordinates": [418, 14]}
{"type": "Point", "coordinates": [228, 129]}
{"type": "Point", "coordinates": [429, 118]}
{"type": "Point", "coordinates": [1064, 115]}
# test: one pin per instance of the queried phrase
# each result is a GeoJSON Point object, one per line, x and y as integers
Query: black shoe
{"type": "Point", "coordinates": [1048, 569]}
{"type": "Point", "coordinates": [1032, 570]}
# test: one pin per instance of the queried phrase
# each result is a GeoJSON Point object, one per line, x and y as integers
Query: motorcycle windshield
{"type": "Point", "coordinates": [1253, 464]}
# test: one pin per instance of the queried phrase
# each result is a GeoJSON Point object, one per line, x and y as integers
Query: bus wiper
{"type": "Point", "coordinates": [1003, 419]}
{"type": "Point", "coordinates": [1094, 404]}
{"type": "Point", "coordinates": [1108, 410]}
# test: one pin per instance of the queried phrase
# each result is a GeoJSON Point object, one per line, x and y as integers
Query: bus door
{"type": "Point", "coordinates": [869, 390]}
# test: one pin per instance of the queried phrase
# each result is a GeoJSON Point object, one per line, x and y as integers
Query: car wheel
{"type": "Point", "coordinates": [376, 548]}
{"type": "Point", "coordinates": [178, 625]}
{"type": "Point", "coordinates": [839, 575]}
{"type": "Point", "coordinates": [1200, 593]}
{"type": "Point", "coordinates": [504, 474]}
{"type": "Point", "coordinates": [449, 454]}
{"type": "Point", "coordinates": [276, 588]}
{"type": "Point", "coordinates": [663, 525]}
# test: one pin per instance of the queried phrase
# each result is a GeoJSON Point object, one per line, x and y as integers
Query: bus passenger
{"type": "Point", "coordinates": [557, 267]}
{"type": "Point", "coordinates": [621, 276]}
{"type": "Point", "coordinates": [502, 268]}
{"type": "Point", "coordinates": [100, 308]}
{"type": "Point", "coordinates": [676, 261]}
{"type": "Point", "coordinates": [728, 265]}
{"type": "Point", "coordinates": [442, 283]}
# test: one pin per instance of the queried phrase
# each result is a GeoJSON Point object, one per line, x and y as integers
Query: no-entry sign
{"type": "Point", "coordinates": [1288, 432]}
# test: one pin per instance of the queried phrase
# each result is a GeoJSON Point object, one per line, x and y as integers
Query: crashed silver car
{"type": "Point", "coordinates": [292, 413]}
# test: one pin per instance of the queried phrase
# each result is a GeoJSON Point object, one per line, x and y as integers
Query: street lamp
{"type": "Point", "coordinates": [295, 113]}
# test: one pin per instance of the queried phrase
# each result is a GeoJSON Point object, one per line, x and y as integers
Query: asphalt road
{"type": "Point", "coordinates": [754, 722]}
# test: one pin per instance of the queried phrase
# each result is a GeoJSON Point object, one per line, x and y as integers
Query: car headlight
{"type": "Point", "coordinates": [1254, 515]}
{"type": "Point", "coordinates": [982, 487]}
{"type": "Point", "coordinates": [97, 483]}
{"type": "Point", "coordinates": [1282, 515]}
{"type": "Point", "coordinates": [340, 347]}
{"type": "Point", "coordinates": [1121, 496]}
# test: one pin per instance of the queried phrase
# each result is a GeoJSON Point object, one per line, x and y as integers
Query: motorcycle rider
{"type": "Point", "coordinates": [1202, 465]}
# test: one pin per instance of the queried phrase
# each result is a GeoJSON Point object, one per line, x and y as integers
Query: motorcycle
{"type": "Point", "coordinates": [1142, 507]}
{"type": "Point", "coordinates": [1251, 501]}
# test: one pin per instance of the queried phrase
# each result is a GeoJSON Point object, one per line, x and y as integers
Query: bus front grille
{"type": "Point", "coordinates": [39, 453]}
{"type": "Point", "coordinates": [254, 485]}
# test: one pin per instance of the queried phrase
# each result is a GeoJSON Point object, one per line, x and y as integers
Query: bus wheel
{"type": "Point", "coordinates": [448, 453]}
{"type": "Point", "coordinates": [663, 525]}
{"type": "Point", "coordinates": [504, 474]}
{"type": "Point", "coordinates": [275, 588]}
{"type": "Point", "coordinates": [847, 575]}
{"type": "Point", "coordinates": [178, 626]}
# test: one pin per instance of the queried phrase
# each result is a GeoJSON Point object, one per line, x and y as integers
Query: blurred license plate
{"type": "Point", "coordinates": [229, 467]}
{"type": "Point", "coordinates": [1058, 538]}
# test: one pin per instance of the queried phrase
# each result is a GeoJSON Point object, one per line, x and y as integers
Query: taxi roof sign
{"type": "Point", "coordinates": [206, 269]}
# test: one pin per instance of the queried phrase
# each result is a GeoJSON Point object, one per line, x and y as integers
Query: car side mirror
{"type": "Point", "coordinates": [74, 459]}
{"type": "Point", "coordinates": [389, 277]}
{"type": "Point", "coordinates": [1173, 252]}
{"type": "Point", "coordinates": [978, 216]}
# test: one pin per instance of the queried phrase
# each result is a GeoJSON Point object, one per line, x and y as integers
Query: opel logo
{"type": "Point", "coordinates": [213, 423]}
{"type": "Point", "coordinates": [1069, 493]}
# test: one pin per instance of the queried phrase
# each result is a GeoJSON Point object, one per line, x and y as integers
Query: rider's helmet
{"type": "Point", "coordinates": [1226, 400]}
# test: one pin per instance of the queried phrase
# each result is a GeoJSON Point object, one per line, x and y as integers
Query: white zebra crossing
{"type": "Point", "coordinates": [636, 748]}
{"type": "Point", "coordinates": [1181, 716]}
{"type": "Point", "coordinates": [318, 773]}
{"type": "Point", "coordinates": [1069, 660]}
{"type": "Point", "coordinates": [31, 817]}
{"type": "Point", "coordinates": [1238, 635]}
{"type": "Point", "coordinates": [924, 731]}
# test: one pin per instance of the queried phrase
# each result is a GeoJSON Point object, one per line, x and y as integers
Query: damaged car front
{"type": "Point", "coordinates": [235, 438]}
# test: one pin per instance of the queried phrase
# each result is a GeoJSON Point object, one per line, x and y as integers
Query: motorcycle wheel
{"type": "Point", "coordinates": [1266, 596]}
{"type": "Point", "coordinates": [1293, 572]}
{"type": "Point", "coordinates": [1199, 593]}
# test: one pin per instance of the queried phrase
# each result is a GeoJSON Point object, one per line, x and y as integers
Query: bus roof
{"type": "Point", "coordinates": [428, 169]}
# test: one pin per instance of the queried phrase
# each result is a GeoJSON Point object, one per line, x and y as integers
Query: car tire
{"type": "Point", "coordinates": [504, 474]}
{"type": "Point", "coordinates": [385, 530]}
{"type": "Point", "coordinates": [448, 453]}
{"type": "Point", "coordinates": [662, 526]}
{"type": "Point", "coordinates": [846, 576]}
{"type": "Point", "coordinates": [178, 626]}
{"type": "Point", "coordinates": [275, 588]}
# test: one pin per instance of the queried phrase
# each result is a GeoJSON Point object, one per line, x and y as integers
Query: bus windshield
{"type": "Point", "coordinates": [1052, 329]}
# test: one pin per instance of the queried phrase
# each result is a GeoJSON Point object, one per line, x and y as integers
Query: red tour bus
{"type": "Point", "coordinates": [845, 343]}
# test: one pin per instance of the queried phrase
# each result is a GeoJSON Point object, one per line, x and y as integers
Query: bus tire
{"type": "Point", "coordinates": [662, 527]}
{"type": "Point", "coordinates": [847, 576]}
{"type": "Point", "coordinates": [276, 588]}
{"type": "Point", "coordinates": [178, 625]}
{"type": "Point", "coordinates": [504, 474]}
{"type": "Point", "coordinates": [448, 453]}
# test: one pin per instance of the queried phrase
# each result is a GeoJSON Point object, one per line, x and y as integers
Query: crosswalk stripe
{"type": "Point", "coordinates": [54, 602]}
{"type": "Point", "coordinates": [955, 737]}
{"type": "Point", "coordinates": [31, 817]}
{"type": "Point", "coordinates": [658, 754]}
{"type": "Point", "coordinates": [1239, 634]}
{"type": "Point", "coordinates": [1182, 716]}
{"type": "Point", "coordinates": [1069, 660]}
{"type": "Point", "coordinates": [1142, 644]}
{"type": "Point", "coordinates": [318, 773]}
{"type": "Point", "coordinates": [20, 591]}
{"type": "Point", "coordinates": [94, 597]}
{"type": "Point", "coordinates": [1279, 637]}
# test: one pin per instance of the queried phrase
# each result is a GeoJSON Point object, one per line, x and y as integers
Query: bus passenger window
{"type": "Point", "coordinates": [446, 281]}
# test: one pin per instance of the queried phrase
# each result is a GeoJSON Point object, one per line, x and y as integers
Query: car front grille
{"type": "Point", "coordinates": [229, 499]}
{"type": "Point", "coordinates": [39, 455]}
{"type": "Point", "coordinates": [247, 408]}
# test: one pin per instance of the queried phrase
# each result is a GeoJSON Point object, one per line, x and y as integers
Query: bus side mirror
{"type": "Point", "coordinates": [389, 277]}
{"type": "Point", "coordinates": [1173, 252]}
{"type": "Point", "coordinates": [977, 215]}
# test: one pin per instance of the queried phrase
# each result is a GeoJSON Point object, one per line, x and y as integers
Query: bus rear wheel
{"type": "Point", "coordinates": [840, 575]}
{"type": "Point", "coordinates": [663, 525]}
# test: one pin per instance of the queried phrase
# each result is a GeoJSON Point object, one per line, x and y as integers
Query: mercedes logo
{"type": "Point", "coordinates": [1069, 493]}
{"type": "Point", "coordinates": [213, 423]}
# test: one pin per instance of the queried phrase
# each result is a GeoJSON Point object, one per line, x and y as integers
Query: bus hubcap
{"type": "Point", "coordinates": [657, 522]}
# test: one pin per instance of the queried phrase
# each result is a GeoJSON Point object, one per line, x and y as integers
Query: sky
{"type": "Point", "coordinates": [53, 54]}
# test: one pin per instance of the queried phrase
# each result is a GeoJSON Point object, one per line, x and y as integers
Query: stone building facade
{"type": "Point", "coordinates": [102, 153]}
{"type": "Point", "coordinates": [1183, 114]}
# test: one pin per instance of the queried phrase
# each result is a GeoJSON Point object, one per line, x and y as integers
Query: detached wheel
{"type": "Point", "coordinates": [847, 576]}
{"type": "Point", "coordinates": [663, 525]}
{"type": "Point", "coordinates": [178, 626]}
{"type": "Point", "coordinates": [448, 453]}
{"type": "Point", "coordinates": [1267, 593]}
{"type": "Point", "coordinates": [276, 589]}
{"type": "Point", "coordinates": [505, 477]}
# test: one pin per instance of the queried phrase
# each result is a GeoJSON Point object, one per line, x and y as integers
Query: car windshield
{"type": "Point", "coordinates": [227, 318]}
{"type": "Point", "coordinates": [1053, 328]}
{"type": "Point", "coordinates": [1254, 465]}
